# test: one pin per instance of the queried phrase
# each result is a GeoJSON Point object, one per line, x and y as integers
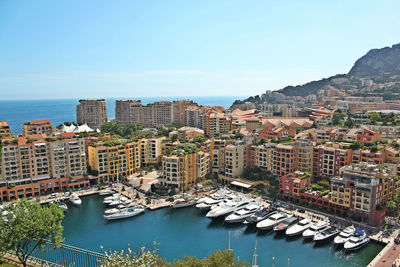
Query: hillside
{"type": "Point", "coordinates": [380, 65]}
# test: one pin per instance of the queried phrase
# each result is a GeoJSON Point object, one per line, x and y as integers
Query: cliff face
{"type": "Point", "coordinates": [378, 61]}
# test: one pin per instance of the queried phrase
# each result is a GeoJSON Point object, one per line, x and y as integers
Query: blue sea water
{"type": "Point", "coordinates": [16, 112]}
{"type": "Point", "coordinates": [188, 232]}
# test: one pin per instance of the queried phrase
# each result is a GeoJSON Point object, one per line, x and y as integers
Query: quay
{"type": "Point", "coordinates": [389, 256]}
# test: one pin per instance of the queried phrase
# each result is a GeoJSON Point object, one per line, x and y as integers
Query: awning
{"type": "Point", "coordinates": [240, 184]}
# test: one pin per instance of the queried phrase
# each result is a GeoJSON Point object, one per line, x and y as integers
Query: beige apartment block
{"type": "Point", "coordinates": [38, 127]}
{"type": "Point", "coordinates": [5, 131]}
{"type": "Point", "coordinates": [234, 160]}
{"type": "Point", "coordinates": [92, 112]}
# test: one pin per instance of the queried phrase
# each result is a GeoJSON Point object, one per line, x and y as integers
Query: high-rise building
{"type": "Point", "coordinates": [109, 159]}
{"type": "Point", "coordinates": [234, 160]}
{"type": "Point", "coordinates": [38, 127]}
{"type": "Point", "coordinates": [5, 131]}
{"type": "Point", "coordinates": [92, 112]}
{"type": "Point", "coordinates": [178, 110]}
{"type": "Point", "coordinates": [128, 111]}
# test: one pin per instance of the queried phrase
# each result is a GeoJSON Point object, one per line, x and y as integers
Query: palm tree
{"type": "Point", "coordinates": [391, 207]}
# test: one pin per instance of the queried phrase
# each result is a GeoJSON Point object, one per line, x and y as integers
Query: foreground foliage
{"type": "Point", "coordinates": [148, 258]}
{"type": "Point", "coordinates": [26, 226]}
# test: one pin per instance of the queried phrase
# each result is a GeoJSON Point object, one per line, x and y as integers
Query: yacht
{"type": "Point", "coordinates": [283, 225]}
{"type": "Point", "coordinates": [106, 192]}
{"type": "Point", "coordinates": [272, 220]}
{"type": "Point", "coordinates": [62, 205]}
{"type": "Point", "coordinates": [260, 215]}
{"type": "Point", "coordinates": [208, 203]}
{"type": "Point", "coordinates": [326, 234]}
{"type": "Point", "coordinates": [75, 200]}
{"type": "Point", "coordinates": [124, 213]}
{"type": "Point", "coordinates": [298, 228]}
{"type": "Point", "coordinates": [227, 208]}
{"type": "Point", "coordinates": [357, 241]}
{"type": "Point", "coordinates": [182, 203]}
{"type": "Point", "coordinates": [315, 228]}
{"type": "Point", "coordinates": [344, 235]}
{"type": "Point", "coordinates": [111, 211]}
{"type": "Point", "coordinates": [241, 215]}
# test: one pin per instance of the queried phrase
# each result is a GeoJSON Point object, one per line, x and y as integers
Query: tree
{"type": "Point", "coordinates": [27, 226]}
{"type": "Point", "coordinates": [149, 258]}
{"type": "Point", "coordinates": [391, 206]}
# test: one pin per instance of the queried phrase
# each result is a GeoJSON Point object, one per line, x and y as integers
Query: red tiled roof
{"type": "Point", "coordinates": [37, 136]}
{"type": "Point", "coordinates": [68, 135]}
{"type": "Point", "coordinates": [39, 122]}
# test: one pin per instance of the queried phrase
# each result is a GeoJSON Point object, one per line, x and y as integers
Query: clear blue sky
{"type": "Point", "coordinates": [67, 48]}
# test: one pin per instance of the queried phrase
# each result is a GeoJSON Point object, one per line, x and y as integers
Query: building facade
{"type": "Point", "coordinates": [91, 112]}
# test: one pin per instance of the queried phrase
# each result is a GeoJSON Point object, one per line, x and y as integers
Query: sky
{"type": "Point", "coordinates": [93, 48]}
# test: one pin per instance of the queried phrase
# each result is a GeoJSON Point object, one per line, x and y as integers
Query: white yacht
{"type": "Point", "coordinates": [62, 205]}
{"type": "Point", "coordinates": [315, 228]}
{"type": "Point", "coordinates": [283, 225]}
{"type": "Point", "coordinates": [344, 235]}
{"type": "Point", "coordinates": [182, 203]}
{"type": "Point", "coordinates": [326, 234]}
{"type": "Point", "coordinates": [260, 215]}
{"type": "Point", "coordinates": [298, 228]}
{"type": "Point", "coordinates": [75, 200]}
{"type": "Point", "coordinates": [357, 241]}
{"type": "Point", "coordinates": [106, 192]}
{"type": "Point", "coordinates": [124, 213]}
{"type": "Point", "coordinates": [243, 214]}
{"type": "Point", "coordinates": [227, 208]}
{"type": "Point", "coordinates": [111, 211]}
{"type": "Point", "coordinates": [272, 220]}
{"type": "Point", "coordinates": [208, 203]}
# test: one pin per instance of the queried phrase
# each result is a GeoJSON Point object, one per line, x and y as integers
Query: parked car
{"type": "Point", "coordinates": [54, 195]}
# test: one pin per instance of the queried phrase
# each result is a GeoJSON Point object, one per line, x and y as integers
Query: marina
{"type": "Point", "coordinates": [187, 231]}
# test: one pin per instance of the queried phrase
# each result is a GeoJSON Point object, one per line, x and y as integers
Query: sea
{"type": "Point", "coordinates": [58, 111]}
{"type": "Point", "coordinates": [186, 231]}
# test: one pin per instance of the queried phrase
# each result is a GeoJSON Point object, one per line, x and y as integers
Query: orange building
{"type": "Point", "coordinates": [4, 130]}
{"type": "Point", "coordinates": [38, 127]}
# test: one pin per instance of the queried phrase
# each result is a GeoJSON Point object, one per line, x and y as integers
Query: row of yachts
{"type": "Point", "coordinates": [119, 206]}
{"type": "Point", "coordinates": [235, 208]}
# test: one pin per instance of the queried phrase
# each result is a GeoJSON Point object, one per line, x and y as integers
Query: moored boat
{"type": "Point", "coordinates": [106, 192]}
{"type": "Point", "coordinates": [182, 203]}
{"type": "Point", "coordinates": [344, 235]}
{"type": "Point", "coordinates": [75, 200]}
{"type": "Point", "coordinates": [272, 220]}
{"type": "Point", "coordinates": [124, 213]}
{"type": "Point", "coordinates": [359, 240]}
{"type": "Point", "coordinates": [283, 225]}
{"type": "Point", "coordinates": [315, 228]}
{"type": "Point", "coordinates": [298, 228]}
{"type": "Point", "coordinates": [62, 205]}
{"type": "Point", "coordinates": [260, 215]}
{"type": "Point", "coordinates": [326, 234]}
{"type": "Point", "coordinates": [242, 214]}
{"type": "Point", "coordinates": [227, 208]}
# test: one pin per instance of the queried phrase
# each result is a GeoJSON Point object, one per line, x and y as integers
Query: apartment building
{"type": "Point", "coordinates": [362, 135]}
{"type": "Point", "coordinates": [178, 110]}
{"type": "Point", "coordinates": [183, 168]}
{"type": "Point", "coordinates": [216, 123]}
{"type": "Point", "coordinates": [91, 112]}
{"type": "Point", "coordinates": [38, 127]}
{"type": "Point", "coordinates": [150, 151]}
{"type": "Point", "coordinates": [292, 185]}
{"type": "Point", "coordinates": [304, 153]}
{"type": "Point", "coordinates": [328, 159]}
{"type": "Point", "coordinates": [234, 160]}
{"type": "Point", "coordinates": [217, 151]}
{"type": "Point", "coordinates": [284, 160]}
{"type": "Point", "coordinates": [128, 111]}
{"type": "Point", "coordinates": [5, 131]}
{"type": "Point", "coordinates": [278, 131]}
{"type": "Point", "coordinates": [108, 159]}
{"type": "Point", "coordinates": [368, 156]}
{"type": "Point", "coordinates": [37, 158]}
{"type": "Point", "coordinates": [67, 157]}
{"type": "Point", "coordinates": [361, 188]}
{"type": "Point", "coordinates": [264, 156]}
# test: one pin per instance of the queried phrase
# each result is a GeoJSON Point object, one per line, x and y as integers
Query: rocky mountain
{"type": "Point", "coordinates": [377, 62]}
{"type": "Point", "coordinates": [380, 65]}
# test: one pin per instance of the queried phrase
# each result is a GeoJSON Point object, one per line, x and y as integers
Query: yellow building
{"type": "Point", "coordinates": [150, 150]}
{"type": "Point", "coordinates": [4, 130]}
{"type": "Point", "coordinates": [105, 159]}
{"type": "Point", "coordinates": [184, 167]}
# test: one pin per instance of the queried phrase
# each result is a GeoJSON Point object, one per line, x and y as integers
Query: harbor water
{"type": "Point", "coordinates": [187, 231]}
